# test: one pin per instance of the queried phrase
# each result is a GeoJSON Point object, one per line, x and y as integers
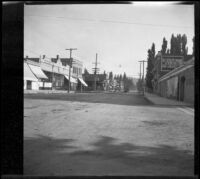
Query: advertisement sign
{"type": "Point", "coordinates": [168, 63]}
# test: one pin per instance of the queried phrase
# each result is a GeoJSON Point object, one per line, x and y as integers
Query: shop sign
{"type": "Point", "coordinates": [168, 63]}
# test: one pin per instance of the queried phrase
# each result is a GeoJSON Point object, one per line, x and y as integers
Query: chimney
{"type": "Point", "coordinates": [57, 56]}
{"type": "Point", "coordinates": [43, 56]}
{"type": "Point", "coordinates": [27, 57]}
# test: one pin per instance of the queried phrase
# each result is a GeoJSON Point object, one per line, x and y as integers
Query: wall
{"type": "Point", "coordinates": [35, 85]}
{"type": "Point", "coordinates": [25, 84]}
{"type": "Point", "coordinates": [54, 67]}
{"type": "Point", "coordinates": [168, 88]}
{"type": "Point", "coordinates": [189, 85]}
{"type": "Point", "coordinates": [172, 87]}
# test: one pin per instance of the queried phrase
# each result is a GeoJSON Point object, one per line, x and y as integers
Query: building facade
{"type": "Point", "coordinates": [101, 81]}
{"type": "Point", "coordinates": [32, 68]}
{"type": "Point", "coordinates": [52, 73]}
{"type": "Point", "coordinates": [179, 83]}
{"type": "Point", "coordinates": [163, 64]}
{"type": "Point", "coordinates": [76, 78]}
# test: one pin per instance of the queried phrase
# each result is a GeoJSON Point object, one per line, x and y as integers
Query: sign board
{"type": "Point", "coordinates": [40, 84]}
{"type": "Point", "coordinates": [168, 63]}
{"type": "Point", "coordinates": [47, 85]}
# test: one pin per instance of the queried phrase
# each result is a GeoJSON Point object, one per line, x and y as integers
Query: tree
{"type": "Point", "coordinates": [111, 76]}
{"type": "Point", "coordinates": [168, 51]}
{"type": "Point", "coordinates": [150, 65]}
{"type": "Point", "coordinates": [86, 72]}
{"type": "Point", "coordinates": [164, 46]}
{"type": "Point", "coordinates": [120, 77]}
{"type": "Point", "coordinates": [124, 77]}
{"type": "Point", "coordinates": [184, 43]}
{"type": "Point", "coordinates": [178, 45]}
{"type": "Point", "coordinates": [172, 43]}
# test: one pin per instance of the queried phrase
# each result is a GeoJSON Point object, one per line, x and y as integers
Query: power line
{"type": "Point", "coordinates": [112, 21]}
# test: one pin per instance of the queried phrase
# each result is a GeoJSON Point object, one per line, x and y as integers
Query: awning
{"type": "Point", "coordinates": [72, 80]}
{"type": "Point", "coordinates": [37, 71]}
{"type": "Point", "coordinates": [82, 81]}
{"type": "Point", "coordinates": [28, 74]}
{"type": "Point", "coordinates": [67, 77]}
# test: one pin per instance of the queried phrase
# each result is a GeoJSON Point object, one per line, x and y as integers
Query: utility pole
{"type": "Point", "coordinates": [140, 70]}
{"type": "Point", "coordinates": [70, 65]}
{"type": "Point", "coordinates": [143, 74]}
{"type": "Point", "coordinates": [52, 77]}
{"type": "Point", "coordinates": [95, 72]}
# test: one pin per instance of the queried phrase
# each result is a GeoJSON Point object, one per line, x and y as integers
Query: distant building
{"type": "Point", "coordinates": [101, 81]}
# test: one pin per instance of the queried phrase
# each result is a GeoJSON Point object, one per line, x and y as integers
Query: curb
{"type": "Point", "coordinates": [150, 101]}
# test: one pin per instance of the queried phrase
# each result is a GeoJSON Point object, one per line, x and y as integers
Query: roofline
{"type": "Point", "coordinates": [175, 72]}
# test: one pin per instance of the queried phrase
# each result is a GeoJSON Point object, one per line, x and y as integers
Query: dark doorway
{"type": "Point", "coordinates": [29, 85]}
{"type": "Point", "coordinates": [178, 90]}
{"type": "Point", "coordinates": [182, 88]}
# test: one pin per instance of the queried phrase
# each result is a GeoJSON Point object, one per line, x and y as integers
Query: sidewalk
{"type": "Point", "coordinates": [157, 100]}
{"type": "Point", "coordinates": [45, 91]}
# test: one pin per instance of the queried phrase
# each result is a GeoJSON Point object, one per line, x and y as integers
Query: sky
{"type": "Point", "coordinates": [120, 34]}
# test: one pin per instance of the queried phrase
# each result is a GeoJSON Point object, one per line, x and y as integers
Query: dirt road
{"type": "Point", "coordinates": [105, 134]}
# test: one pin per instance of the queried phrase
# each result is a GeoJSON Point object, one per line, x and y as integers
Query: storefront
{"type": "Point", "coordinates": [39, 74]}
{"type": "Point", "coordinates": [30, 80]}
{"type": "Point", "coordinates": [73, 82]}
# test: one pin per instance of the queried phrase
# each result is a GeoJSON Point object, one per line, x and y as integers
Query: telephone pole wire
{"type": "Point", "coordinates": [70, 66]}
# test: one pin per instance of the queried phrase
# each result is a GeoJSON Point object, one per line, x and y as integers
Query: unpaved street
{"type": "Point", "coordinates": [105, 134]}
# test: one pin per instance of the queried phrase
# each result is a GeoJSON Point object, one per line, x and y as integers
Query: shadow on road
{"type": "Point", "coordinates": [117, 98]}
{"type": "Point", "coordinates": [48, 156]}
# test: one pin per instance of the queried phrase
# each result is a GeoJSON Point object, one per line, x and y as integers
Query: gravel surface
{"type": "Point", "coordinates": [69, 136]}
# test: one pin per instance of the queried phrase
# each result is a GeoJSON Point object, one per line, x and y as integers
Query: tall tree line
{"type": "Point", "coordinates": [150, 65]}
{"type": "Point", "coordinates": [177, 45]}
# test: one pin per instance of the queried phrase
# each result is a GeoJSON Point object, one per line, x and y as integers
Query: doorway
{"type": "Point", "coordinates": [29, 85]}
{"type": "Point", "coordinates": [182, 88]}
